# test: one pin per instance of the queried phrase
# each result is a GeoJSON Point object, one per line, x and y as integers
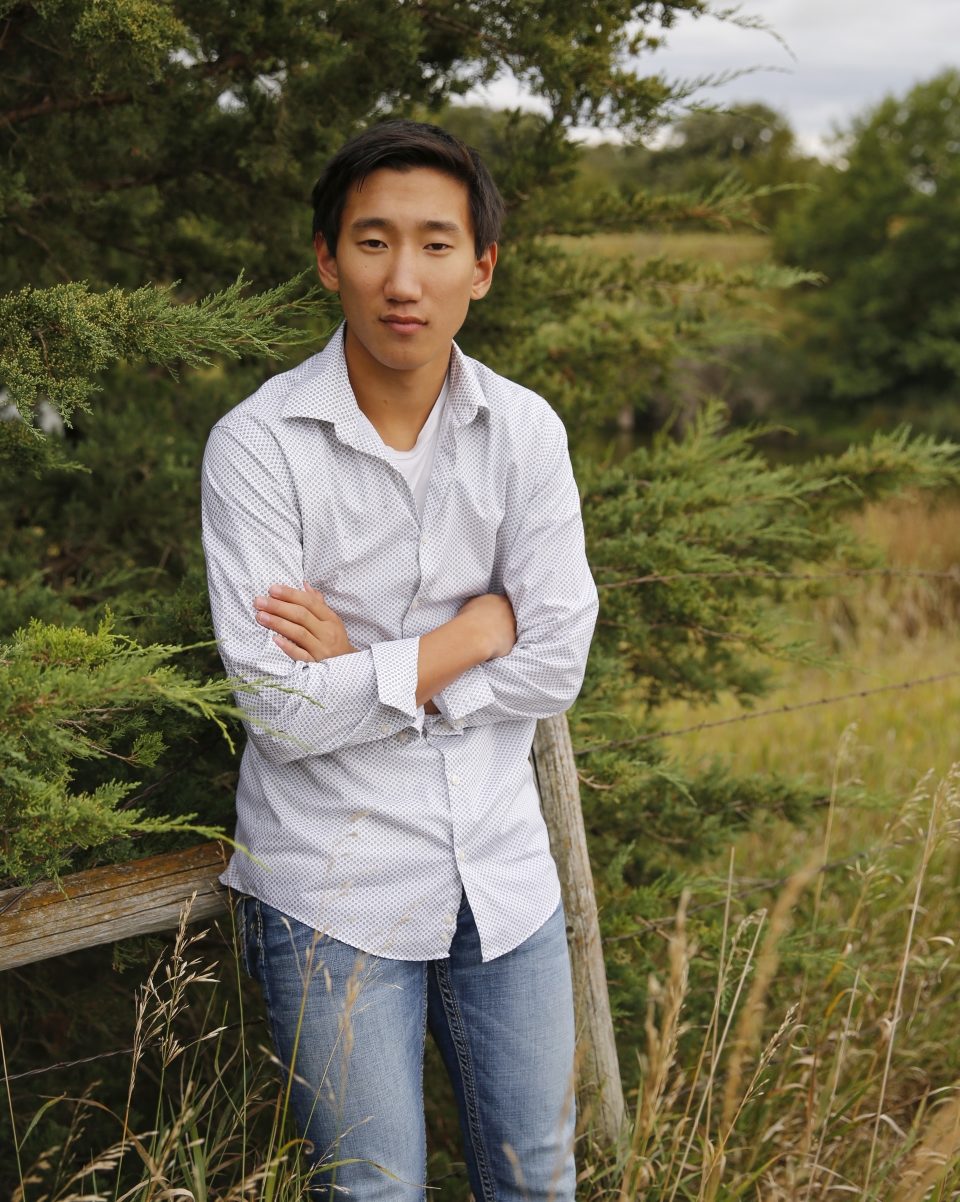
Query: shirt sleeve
{"type": "Point", "coordinates": [252, 538]}
{"type": "Point", "coordinates": [548, 581]}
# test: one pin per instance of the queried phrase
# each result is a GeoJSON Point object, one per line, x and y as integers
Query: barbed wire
{"type": "Point", "coordinates": [853, 573]}
{"type": "Point", "coordinates": [645, 926]}
{"type": "Point", "coordinates": [790, 708]}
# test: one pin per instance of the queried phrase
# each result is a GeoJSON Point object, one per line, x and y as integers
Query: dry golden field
{"type": "Point", "coordinates": [873, 632]}
{"type": "Point", "coordinates": [730, 250]}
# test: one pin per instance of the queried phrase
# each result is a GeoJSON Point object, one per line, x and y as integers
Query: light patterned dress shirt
{"type": "Point", "coordinates": [363, 816]}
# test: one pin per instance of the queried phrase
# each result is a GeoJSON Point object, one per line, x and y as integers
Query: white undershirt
{"type": "Point", "coordinates": [415, 464]}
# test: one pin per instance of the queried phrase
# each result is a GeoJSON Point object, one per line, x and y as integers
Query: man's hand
{"type": "Point", "coordinates": [305, 627]}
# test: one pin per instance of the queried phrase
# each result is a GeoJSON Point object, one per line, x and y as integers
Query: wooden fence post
{"type": "Point", "coordinates": [599, 1087]}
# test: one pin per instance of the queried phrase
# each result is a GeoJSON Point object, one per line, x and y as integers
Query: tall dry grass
{"type": "Point", "coordinates": [815, 1076]}
{"type": "Point", "coordinates": [218, 1127]}
{"type": "Point", "coordinates": [819, 1081]}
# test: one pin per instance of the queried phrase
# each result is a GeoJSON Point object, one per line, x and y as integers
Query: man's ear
{"type": "Point", "coordinates": [483, 272]}
{"type": "Point", "coordinates": [326, 264]}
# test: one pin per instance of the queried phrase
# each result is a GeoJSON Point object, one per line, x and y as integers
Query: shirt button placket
{"type": "Point", "coordinates": [453, 782]}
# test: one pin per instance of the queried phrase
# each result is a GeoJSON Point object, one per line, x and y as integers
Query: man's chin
{"type": "Point", "coordinates": [407, 359]}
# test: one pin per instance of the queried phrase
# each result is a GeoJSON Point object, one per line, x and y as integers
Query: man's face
{"type": "Point", "coordinates": [406, 268]}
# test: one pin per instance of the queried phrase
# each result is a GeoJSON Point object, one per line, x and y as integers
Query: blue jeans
{"type": "Point", "coordinates": [349, 1029]}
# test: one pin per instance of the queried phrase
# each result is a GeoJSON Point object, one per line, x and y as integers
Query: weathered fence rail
{"type": "Point", "coordinates": [106, 904]}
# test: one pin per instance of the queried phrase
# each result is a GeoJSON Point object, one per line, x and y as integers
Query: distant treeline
{"type": "Point", "coordinates": [876, 340]}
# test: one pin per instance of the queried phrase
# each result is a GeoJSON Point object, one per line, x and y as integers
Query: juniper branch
{"type": "Point", "coordinates": [55, 342]}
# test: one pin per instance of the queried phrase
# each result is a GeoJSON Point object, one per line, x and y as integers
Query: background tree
{"type": "Point", "coordinates": [750, 143]}
{"type": "Point", "coordinates": [882, 333]}
{"type": "Point", "coordinates": [705, 150]}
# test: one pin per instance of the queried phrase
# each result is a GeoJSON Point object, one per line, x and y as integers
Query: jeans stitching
{"type": "Point", "coordinates": [423, 1040]}
{"type": "Point", "coordinates": [455, 1021]}
{"type": "Point", "coordinates": [258, 964]}
{"type": "Point", "coordinates": [240, 930]}
{"type": "Point", "coordinates": [263, 978]}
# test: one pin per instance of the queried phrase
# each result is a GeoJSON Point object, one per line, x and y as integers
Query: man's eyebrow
{"type": "Point", "coordinates": [434, 225]}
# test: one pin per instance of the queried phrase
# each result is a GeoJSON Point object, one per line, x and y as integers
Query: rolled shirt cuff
{"type": "Point", "coordinates": [395, 665]}
{"type": "Point", "coordinates": [468, 693]}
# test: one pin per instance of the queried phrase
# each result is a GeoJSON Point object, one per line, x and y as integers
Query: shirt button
{"type": "Point", "coordinates": [454, 780]}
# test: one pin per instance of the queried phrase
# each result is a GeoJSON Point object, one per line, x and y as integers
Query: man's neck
{"type": "Point", "coordinates": [396, 403]}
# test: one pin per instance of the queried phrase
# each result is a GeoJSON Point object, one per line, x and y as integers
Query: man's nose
{"type": "Point", "coordinates": [403, 281]}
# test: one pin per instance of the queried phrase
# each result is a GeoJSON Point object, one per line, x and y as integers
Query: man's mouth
{"type": "Point", "coordinates": [403, 324]}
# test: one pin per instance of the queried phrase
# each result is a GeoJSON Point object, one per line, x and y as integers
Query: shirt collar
{"type": "Point", "coordinates": [322, 388]}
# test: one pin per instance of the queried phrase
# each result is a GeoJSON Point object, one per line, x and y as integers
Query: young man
{"type": "Point", "coordinates": [395, 556]}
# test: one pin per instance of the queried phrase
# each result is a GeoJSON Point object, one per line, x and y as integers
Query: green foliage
{"type": "Point", "coordinates": [56, 340]}
{"type": "Point", "coordinates": [883, 229]}
{"type": "Point", "coordinates": [748, 148]}
{"type": "Point", "coordinates": [689, 538]}
{"type": "Point", "coordinates": [161, 138]}
{"type": "Point", "coordinates": [69, 699]}
{"type": "Point", "coordinates": [750, 143]}
{"type": "Point", "coordinates": [22, 452]}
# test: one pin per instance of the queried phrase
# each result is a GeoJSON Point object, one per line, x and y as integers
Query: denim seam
{"type": "Point", "coordinates": [259, 963]}
{"type": "Point", "coordinates": [423, 1040]}
{"type": "Point", "coordinates": [263, 978]}
{"type": "Point", "coordinates": [238, 904]}
{"type": "Point", "coordinates": [461, 1044]}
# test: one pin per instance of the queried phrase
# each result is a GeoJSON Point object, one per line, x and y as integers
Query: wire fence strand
{"type": "Point", "coordinates": [792, 708]}
{"type": "Point", "coordinates": [851, 573]}
{"type": "Point", "coordinates": [258, 1021]}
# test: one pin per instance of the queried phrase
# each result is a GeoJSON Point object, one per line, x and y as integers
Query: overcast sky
{"type": "Point", "coordinates": [848, 55]}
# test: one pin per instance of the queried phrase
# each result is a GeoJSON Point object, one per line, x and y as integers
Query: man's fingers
{"type": "Point", "coordinates": [303, 617]}
{"type": "Point", "coordinates": [291, 649]}
{"type": "Point", "coordinates": [293, 631]}
{"type": "Point", "coordinates": [308, 597]}
{"type": "Point", "coordinates": [286, 609]}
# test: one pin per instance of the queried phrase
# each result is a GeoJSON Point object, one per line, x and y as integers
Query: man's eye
{"type": "Point", "coordinates": [375, 243]}
{"type": "Point", "coordinates": [438, 246]}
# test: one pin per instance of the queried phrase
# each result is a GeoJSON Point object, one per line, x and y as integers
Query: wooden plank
{"type": "Point", "coordinates": [599, 1086]}
{"type": "Point", "coordinates": [110, 903]}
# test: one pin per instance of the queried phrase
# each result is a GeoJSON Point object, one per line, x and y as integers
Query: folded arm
{"type": "Point", "coordinates": [522, 655]}
{"type": "Point", "coordinates": [307, 629]}
{"type": "Point", "coordinates": [548, 582]}
{"type": "Point", "coordinates": [297, 706]}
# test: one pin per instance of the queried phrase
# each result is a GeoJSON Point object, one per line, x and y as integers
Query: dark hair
{"type": "Point", "coordinates": [402, 145]}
